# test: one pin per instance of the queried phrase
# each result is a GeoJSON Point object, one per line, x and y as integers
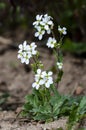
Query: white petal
{"type": "Point", "coordinates": [50, 80]}
{"type": "Point", "coordinates": [37, 87]}
{"type": "Point", "coordinates": [24, 43]}
{"type": "Point", "coordinates": [50, 73]}
{"type": "Point", "coordinates": [20, 46]}
{"type": "Point", "coordinates": [60, 67]}
{"type": "Point", "coordinates": [48, 31]}
{"type": "Point", "coordinates": [19, 56]}
{"type": "Point", "coordinates": [34, 85]}
{"type": "Point", "coordinates": [22, 60]}
{"type": "Point", "coordinates": [37, 17]}
{"type": "Point", "coordinates": [34, 52]}
{"type": "Point", "coordinates": [42, 23]}
{"type": "Point", "coordinates": [47, 85]}
{"type": "Point", "coordinates": [50, 22]}
{"type": "Point", "coordinates": [20, 51]}
{"type": "Point", "coordinates": [49, 39]}
{"type": "Point", "coordinates": [24, 54]}
{"type": "Point", "coordinates": [32, 44]}
{"type": "Point", "coordinates": [36, 34]}
{"type": "Point", "coordinates": [59, 29]}
{"type": "Point", "coordinates": [29, 55]}
{"type": "Point", "coordinates": [27, 61]}
{"type": "Point", "coordinates": [34, 23]}
{"type": "Point", "coordinates": [38, 28]}
{"type": "Point", "coordinates": [52, 45]}
{"type": "Point", "coordinates": [43, 32]}
{"type": "Point", "coordinates": [41, 82]}
{"type": "Point", "coordinates": [40, 37]}
{"type": "Point", "coordinates": [43, 74]}
{"type": "Point", "coordinates": [37, 78]}
{"type": "Point", "coordinates": [38, 71]}
{"type": "Point", "coordinates": [64, 32]}
{"type": "Point", "coordinates": [46, 27]}
{"type": "Point", "coordinates": [64, 28]}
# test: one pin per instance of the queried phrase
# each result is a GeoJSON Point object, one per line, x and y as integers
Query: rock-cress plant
{"type": "Point", "coordinates": [45, 103]}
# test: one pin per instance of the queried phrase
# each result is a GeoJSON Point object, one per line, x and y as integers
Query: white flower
{"type": "Point", "coordinates": [43, 23]}
{"type": "Point", "coordinates": [47, 20]}
{"type": "Point", "coordinates": [51, 42]}
{"type": "Point", "coordinates": [47, 77]}
{"type": "Point", "coordinates": [36, 85]}
{"type": "Point", "coordinates": [62, 30]}
{"type": "Point", "coordinates": [37, 82]}
{"type": "Point", "coordinates": [38, 19]}
{"type": "Point", "coordinates": [48, 23]}
{"type": "Point", "coordinates": [22, 53]}
{"type": "Point", "coordinates": [60, 65]}
{"type": "Point", "coordinates": [42, 78]}
{"type": "Point", "coordinates": [25, 60]}
{"type": "Point", "coordinates": [38, 74]}
{"type": "Point", "coordinates": [23, 46]}
{"type": "Point", "coordinates": [26, 52]}
{"type": "Point", "coordinates": [31, 48]}
{"type": "Point", "coordinates": [49, 31]}
{"type": "Point", "coordinates": [40, 33]}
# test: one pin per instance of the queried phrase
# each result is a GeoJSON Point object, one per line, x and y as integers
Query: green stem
{"type": "Point", "coordinates": [55, 53]}
{"type": "Point", "coordinates": [35, 64]}
{"type": "Point", "coordinates": [54, 90]}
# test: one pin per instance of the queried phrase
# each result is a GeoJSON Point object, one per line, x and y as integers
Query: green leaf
{"type": "Point", "coordinates": [43, 113]}
{"type": "Point", "coordinates": [78, 110]}
{"type": "Point", "coordinates": [57, 102]}
{"type": "Point", "coordinates": [82, 106]}
{"type": "Point", "coordinates": [44, 117]}
{"type": "Point", "coordinates": [74, 47]}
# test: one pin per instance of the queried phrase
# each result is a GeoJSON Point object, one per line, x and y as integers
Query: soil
{"type": "Point", "coordinates": [7, 122]}
{"type": "Point", "coordinates": [16, 80]}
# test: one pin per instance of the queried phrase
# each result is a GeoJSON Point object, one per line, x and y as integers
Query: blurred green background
{"type": "Point", "coordinates": [69, 13]}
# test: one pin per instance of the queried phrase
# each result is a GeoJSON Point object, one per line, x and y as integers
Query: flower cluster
{"type": "Point", "coordinates": [26, 52]}
{"type": "Point", "coordinates": [60, 65]}
{"type": "Point", "coordinates": [43, 24]}
{"type": "Point", "coordinates": [42, 78]}
{"type": "Point", "coordinates": [62, 30]}
{"type": "Point", "coordinates": [51, 43]}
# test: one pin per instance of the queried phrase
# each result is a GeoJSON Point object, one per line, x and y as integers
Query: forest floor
{"type": "Point", "coordinates": [16, 80]}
